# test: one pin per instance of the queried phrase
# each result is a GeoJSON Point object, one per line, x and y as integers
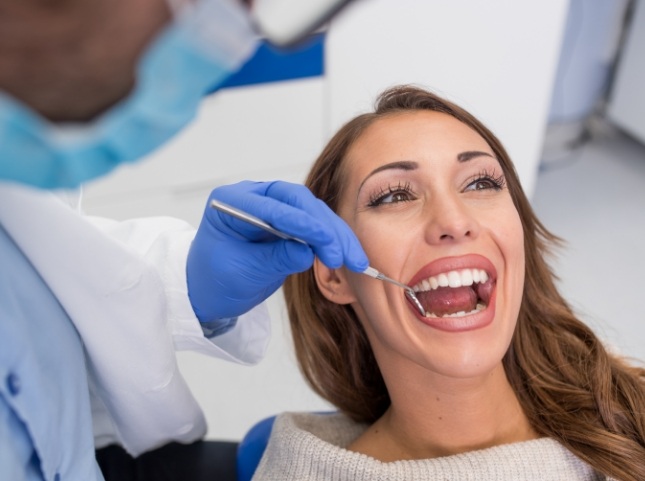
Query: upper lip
{"type": "Point", "coordinates": [446, 264]}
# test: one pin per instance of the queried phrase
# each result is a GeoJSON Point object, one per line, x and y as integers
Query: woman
{"type": "Point", "coordinates": [499, 380]}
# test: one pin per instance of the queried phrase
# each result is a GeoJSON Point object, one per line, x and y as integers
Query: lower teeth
{"type": "Point", "coordinates": [480, 307]}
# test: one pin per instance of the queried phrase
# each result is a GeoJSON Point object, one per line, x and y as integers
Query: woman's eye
{"type": "Point", "coordinates": [481, 184]}
{"type": "Point", "coordinates": [395, 197]}
{"type": "Point", "coordinates": [486, 183]}
{"type": "Point", "coordinates": [392, 195]}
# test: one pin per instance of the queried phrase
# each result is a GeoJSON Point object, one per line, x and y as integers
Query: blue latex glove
{"type": "Point", "coordinates": [233, 266]}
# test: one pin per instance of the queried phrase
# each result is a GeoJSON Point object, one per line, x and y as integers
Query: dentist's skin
{"type": "Point", "coordinates": [72, 60]}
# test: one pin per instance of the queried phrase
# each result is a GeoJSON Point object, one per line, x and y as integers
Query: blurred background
{"type": "Point", "coordinates": [560, 82]}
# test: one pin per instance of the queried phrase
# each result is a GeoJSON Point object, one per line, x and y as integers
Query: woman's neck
{"type": "Point", "coordinates": [440, 417]}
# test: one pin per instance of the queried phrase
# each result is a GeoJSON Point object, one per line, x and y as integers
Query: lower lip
{"type": "Point", "coordinates": [462, 324]}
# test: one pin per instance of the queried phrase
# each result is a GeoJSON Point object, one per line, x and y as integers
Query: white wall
{"type": "Point", "coordinates": [627, 101]}
{"type": "Point", "coordinates": [259, 132]}
{"type": "Point", "coordinates": [496, 58]}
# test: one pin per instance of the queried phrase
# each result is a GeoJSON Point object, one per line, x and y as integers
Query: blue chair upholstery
{"type": "Point", "coordinates": [251, 448]}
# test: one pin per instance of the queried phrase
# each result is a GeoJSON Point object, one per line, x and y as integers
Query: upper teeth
{"type": "Point", "coordinates": [463, 277]}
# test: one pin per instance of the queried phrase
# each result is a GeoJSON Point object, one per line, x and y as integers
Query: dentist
{"type": "Point", "coordinates": [92, 310]}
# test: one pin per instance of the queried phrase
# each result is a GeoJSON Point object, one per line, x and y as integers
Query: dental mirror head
{"type": "Point", "coordinates": [284, 23]}
{"type": "Point", "coordinates": [409, 292]}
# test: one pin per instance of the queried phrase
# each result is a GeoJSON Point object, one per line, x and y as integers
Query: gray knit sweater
{"type": "Point", "coordinates": [310, 447]}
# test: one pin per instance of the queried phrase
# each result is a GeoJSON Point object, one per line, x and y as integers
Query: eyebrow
{"type": "Point", "coordinates": [471, 154]}
{"type": "Point", "coordinates": [398, 165]}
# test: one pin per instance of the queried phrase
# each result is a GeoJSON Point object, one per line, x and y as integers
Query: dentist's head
{"type": "Point", "coordinates": [70, 60]}
{"type": "Point", "coordinates": [86, 86]}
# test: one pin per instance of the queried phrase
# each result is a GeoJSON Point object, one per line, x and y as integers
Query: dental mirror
{"type": "Point", "coordinates": [409, 292]}
{"type": "Point", "coordinates": [286, 22]}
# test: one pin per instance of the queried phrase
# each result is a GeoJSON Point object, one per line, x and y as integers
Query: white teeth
{"type": "Point", "coordinates": [464, 277]}
{"type": "Point", "coordinates": [454, 279]}
{"type": "Point", "coordinates": [480, 307]}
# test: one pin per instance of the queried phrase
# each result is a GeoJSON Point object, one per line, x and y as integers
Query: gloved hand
{"type": "Point", "coordinates": [233, 266]}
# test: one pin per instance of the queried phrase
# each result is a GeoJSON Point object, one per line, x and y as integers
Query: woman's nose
{"type": "Point", "coordinates": [450, 220]}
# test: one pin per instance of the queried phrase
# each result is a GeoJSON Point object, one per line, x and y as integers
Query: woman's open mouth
{"type": "Point", "coordinates": [455, 293]}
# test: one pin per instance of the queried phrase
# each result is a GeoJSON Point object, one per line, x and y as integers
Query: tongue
{"type": "Point", "coordinates": [446, 300]}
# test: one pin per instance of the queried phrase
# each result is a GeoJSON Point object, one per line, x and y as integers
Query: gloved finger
{"type": "Point", "coordinates": [263, 267]}
{"type": "Point", "coordinates": [227, 277]}
{"type": "Point", "coordinates": [223, 223]}
{"type": "Point", "coordinates": [293, 209]}
{"type": "Point", "coordinates": [251, 197]}
{"type": "Point", "coordinates": [288, 257]}
{"type": "Point", "coordinates": [290, 210]}
{"type": "Point", "coordinates": [345, 247]}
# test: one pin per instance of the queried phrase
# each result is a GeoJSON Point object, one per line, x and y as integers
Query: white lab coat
{"type": "Point", "coordinates": [126, 294]}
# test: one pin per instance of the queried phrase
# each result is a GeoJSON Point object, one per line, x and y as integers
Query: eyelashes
{"type": "Point", "coordinates": [390, 194]}
{"type": "Point", "coordinates": [485, 180]}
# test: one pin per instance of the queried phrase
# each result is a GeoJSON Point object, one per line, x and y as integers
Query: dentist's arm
{"type": "Point", "coordinates": [233, 266]}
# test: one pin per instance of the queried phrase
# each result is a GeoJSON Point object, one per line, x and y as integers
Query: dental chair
{"type": "Point", "coordinates": [251, 448]}
{"type": "Point", "coordinates": [198, 461]}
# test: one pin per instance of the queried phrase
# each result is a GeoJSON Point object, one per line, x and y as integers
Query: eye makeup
{"type": "Point", "coordinates": [392, 194]}
{"type": "Point", "coordinates": [486, 179]}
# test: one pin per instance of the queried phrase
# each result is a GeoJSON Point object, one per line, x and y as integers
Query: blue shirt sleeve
{"type": "Point", "coordinates": [45, 416]}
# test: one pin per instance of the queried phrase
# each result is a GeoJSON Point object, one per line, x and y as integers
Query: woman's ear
{"type": "Point", "coordinates": [333, 283]}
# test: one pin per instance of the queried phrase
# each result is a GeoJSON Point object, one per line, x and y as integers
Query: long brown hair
{"type": "Point", "coordinates": [569, 386]}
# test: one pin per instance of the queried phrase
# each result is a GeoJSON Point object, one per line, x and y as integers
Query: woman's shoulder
{"type": "Point", "coordinates": [333, 428]}
{"type": "Point", "coordinates": [303, 446]}
{"type": "Point", "coordinates": [307, 446]}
